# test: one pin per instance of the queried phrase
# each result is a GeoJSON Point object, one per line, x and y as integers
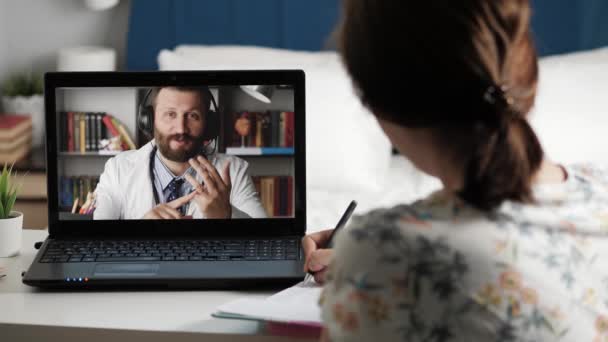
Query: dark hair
{"type": "Point", "coordinates": [467, 69]}
{"type": "Point", "coordinates": [202, 91]}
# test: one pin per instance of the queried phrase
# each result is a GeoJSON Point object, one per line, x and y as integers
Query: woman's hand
{"type": "Point", "coordinates": [317, 259]}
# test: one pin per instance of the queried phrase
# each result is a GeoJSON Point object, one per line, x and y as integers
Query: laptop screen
{"type": "Point", "coordinates": [168, 152]}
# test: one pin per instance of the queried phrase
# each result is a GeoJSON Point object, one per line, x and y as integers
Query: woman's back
{"type": "Point", "coordinates": [513, 247]}
{"type": "Point", "coordinates": [440, 270]}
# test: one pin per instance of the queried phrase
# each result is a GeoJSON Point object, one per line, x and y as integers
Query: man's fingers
{"type": "Point", "coordinates": [163, 214]}
{"type": "Point", "coordinates": [166, 212]}
{"type": "Point", "coordinates": [178, 202]}
{"type": "Point", "coordinates": [212, 170]}
{"type": "Point", "coordinates": [210, 184]}
{"type": "Point", "coordinates": [171, 213]}
{"type": "Point", "coordinates": [197, 166]}
{"type": "Point", "coordinates": [226, 176]}
{"type": "Point", "coordinates": [197, 186]}
{"type": "Point", "coordinates": [204, 172]}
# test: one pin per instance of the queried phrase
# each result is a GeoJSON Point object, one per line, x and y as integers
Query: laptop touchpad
{"type": "Point", "coordinates": [113, 270]}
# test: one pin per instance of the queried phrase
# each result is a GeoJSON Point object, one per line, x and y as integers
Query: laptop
{"type": "Point", "coordinates": [185, 179]}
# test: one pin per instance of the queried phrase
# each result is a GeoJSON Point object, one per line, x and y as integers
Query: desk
{"type": "Point", "coordinates": [27, 313]}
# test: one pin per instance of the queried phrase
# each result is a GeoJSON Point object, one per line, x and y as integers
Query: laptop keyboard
{"type": "Point", "coordinates": [170, 250]}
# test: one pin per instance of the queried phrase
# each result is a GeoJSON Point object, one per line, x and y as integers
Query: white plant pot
{"type": "Point", "coordinates": [32, 105]}
{"type": "Point", "coordinates": [10, 234]}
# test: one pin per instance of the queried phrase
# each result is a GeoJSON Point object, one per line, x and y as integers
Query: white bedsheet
{"type": "Point", "coordinates": [402, 184]}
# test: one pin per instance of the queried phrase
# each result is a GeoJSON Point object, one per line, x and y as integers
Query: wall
{"type": "Point", "coordinates": [3, 42]}
{"type": "Point", "coordinates": [32, 31]}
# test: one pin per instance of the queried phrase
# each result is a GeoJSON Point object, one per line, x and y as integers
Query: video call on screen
{"type": "Point", "coordinates": [161, 153]}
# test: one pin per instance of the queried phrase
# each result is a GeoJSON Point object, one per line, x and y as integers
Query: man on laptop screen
{"type": "Point", "coordinates": [187, 166]}
{"type": "Point", "coordinates": [185, 177]}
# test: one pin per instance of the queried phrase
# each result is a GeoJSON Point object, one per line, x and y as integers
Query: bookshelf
{"type": "Point", "coordinates": [271, 159]}
{"type": "Point", "coordinates": [76, 166]}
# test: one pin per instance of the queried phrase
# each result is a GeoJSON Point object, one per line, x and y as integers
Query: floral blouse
{"type": "Point", "coordinates": [439, 270]}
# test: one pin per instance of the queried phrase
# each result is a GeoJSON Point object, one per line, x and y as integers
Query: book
{"type": "Point", "coordinates": [74, 187]}
{"type": "Point", "coordinates": [10, 145]}
{"type": "Point", "coordinates": [16, 154]}
{"type": "Point", "coordinates": [126, 138]}
{"type": "Point", "coordinates": [98, 130]}
{"type": "Point", "coordinates": [14, 125]}
{"type": "Point", "coordinates": [274, 128]}
{"type": "Point", "coordinates": [82, 143]}
{"type": "Point", "coordinates": [70, 131]}
{"type": "Point", "coordinates": [282, 130]}
{"type": "Point", "coordinates": [84, 131]}
{"type": "Point", "coordinates": [289, 129]}
{"type": "Point", "coordinates": [270, 129]}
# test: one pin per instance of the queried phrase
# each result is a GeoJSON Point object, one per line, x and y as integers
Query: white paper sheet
{"type": "Point", "coordinates": [297, 304]}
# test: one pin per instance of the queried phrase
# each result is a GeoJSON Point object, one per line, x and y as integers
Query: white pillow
{"type": "Point", "coordinates": [571, 112]}
{"type": "Point", "coordinates": [346, 148]}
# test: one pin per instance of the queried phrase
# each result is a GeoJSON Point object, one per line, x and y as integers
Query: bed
{"type": "Point", "coordinates": [348, 157]}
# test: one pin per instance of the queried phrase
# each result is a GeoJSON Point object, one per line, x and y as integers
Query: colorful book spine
{"type": "Point", "coordinates": [83, 137]}
{"type": "Point", "coordinates": [83, 132]}
{"type": "Point", "coordinates": [273, 129]}
{"type": "Point", "coordinates": [75, 188]}
{"type": "Point", "coordinates": [276, 194]}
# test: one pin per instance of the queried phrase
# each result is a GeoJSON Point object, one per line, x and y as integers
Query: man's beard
{"type": "Point", "coordinates": [180, 155]}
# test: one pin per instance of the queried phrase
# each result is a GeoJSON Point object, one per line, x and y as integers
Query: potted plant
{"type": "Point", "coordinates": [22, 94]}
{"type": "Point", "coordinates": [11, 221]}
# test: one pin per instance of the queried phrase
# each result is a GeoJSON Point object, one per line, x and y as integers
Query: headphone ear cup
{"type": "Point", "coordinates": [212, 126]}
{"type": "Point", "coordinates": [146, 120]}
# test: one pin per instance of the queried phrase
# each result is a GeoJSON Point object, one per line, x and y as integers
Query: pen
{"type": "Point", "coordinates": [330, 241]}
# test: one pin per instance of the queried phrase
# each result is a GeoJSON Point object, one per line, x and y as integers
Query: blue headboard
{"type": "Point", "coordinates": [559, 25]}
{"type": "Point", "coordinates": [163, 24]}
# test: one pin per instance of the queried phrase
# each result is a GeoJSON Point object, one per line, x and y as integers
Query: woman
{"type": "Point", "coordinates": [513, 246]}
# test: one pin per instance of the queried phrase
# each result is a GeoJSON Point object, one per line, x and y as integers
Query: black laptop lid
{"type": "Point", "coordinates": [119, 145]}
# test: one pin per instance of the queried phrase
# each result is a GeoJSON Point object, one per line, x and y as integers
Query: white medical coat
{"type": "Point", "coordinates": [125, 188]}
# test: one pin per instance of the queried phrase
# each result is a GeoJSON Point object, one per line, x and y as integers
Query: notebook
{"type": "Point", "coordinates": [298, 304]}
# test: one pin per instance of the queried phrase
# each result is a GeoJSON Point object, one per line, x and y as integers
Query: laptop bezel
{"type": "Point", "coordinates": [168, 228]}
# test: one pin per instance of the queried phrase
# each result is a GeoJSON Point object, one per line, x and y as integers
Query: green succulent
{"type": "Point", "coordinates": [23, 84]}
{"type": "Point", "coordinates": [8, 191]}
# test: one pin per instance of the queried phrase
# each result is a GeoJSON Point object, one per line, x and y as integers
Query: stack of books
{"type": "Point", "coordinates": [270, 129]}
{"type": "Point", "coordinates": [276, 194]}
{"type": "Point", "coordinates": [74, 191]}
{"type": "Point", "coordinates": [83, 132]}
{"type": "Point", "coordinates": [15, 137]}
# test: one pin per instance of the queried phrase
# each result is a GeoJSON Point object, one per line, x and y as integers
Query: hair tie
{"type": "Point", "coordinates": [503, 104]}
{"type": "Point", "coordinates": [495, 95]}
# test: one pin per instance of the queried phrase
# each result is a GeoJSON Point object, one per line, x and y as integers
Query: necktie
{"type": "Point", "coordinates": [174, 187]}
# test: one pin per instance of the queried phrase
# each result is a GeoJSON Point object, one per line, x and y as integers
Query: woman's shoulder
{"type": "Point", "coordinates": [590, 172]}
{"type": "Point", "coordinates": [402, 232]}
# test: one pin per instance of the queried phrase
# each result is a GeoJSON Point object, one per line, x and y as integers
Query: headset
{"type": "Point", "coordinates": [145, 117]}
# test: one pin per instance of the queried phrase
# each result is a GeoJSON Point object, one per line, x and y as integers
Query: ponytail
{"type": "Point", "coordinates": [502, 163]}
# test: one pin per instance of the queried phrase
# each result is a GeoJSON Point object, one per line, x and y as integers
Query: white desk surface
{"type": "Point", "coordinates": [27, 312]}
